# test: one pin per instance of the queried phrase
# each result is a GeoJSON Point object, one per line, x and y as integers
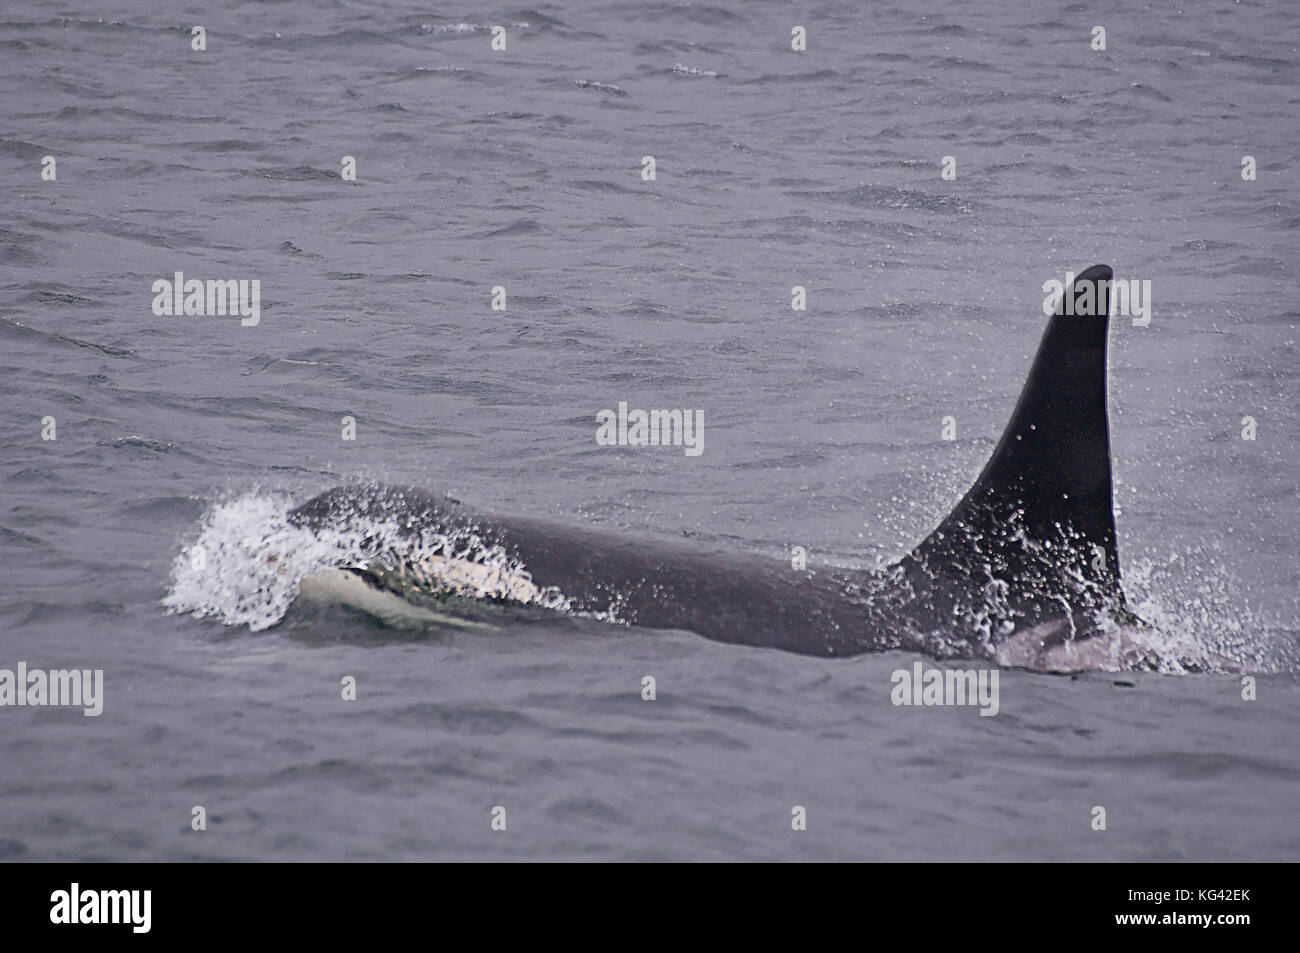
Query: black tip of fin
{"type": "Point", "coordinates": [1044, 497]}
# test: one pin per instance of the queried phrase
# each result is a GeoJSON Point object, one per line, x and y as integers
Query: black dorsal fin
{"type": "Point", "coordinates": [1040, 515]}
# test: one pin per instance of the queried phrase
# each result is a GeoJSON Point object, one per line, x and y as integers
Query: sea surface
{"type": "Point", "coordinates": [522, 169]}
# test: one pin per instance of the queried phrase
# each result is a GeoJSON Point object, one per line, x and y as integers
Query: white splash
{"type": "Point", "coordinates": [683, 70]}
{"type": "Point", "coordinates": [248, 562]}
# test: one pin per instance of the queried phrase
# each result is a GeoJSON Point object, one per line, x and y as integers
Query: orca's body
{"type": "Point", "coordinates": [1023, 572]}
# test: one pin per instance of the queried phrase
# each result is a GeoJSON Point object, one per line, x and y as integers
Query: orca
{"type": "Point", "coordinates": [1024, 572]}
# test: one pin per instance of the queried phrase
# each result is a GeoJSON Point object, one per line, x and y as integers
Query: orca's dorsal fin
{"type": "Point", "coordinates": [1040, 515]}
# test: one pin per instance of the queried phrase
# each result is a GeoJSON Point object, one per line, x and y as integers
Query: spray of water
{"type": "Point", "coordinates": [248, 561]}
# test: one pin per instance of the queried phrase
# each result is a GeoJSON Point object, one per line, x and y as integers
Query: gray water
{"type": "Point", "coordinates": [522, 169]}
